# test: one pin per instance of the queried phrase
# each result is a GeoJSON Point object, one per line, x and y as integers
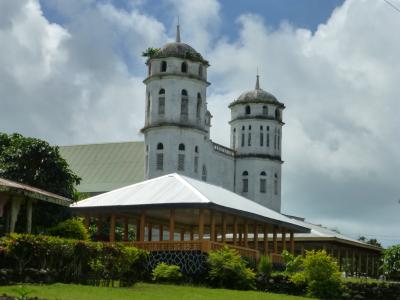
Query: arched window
{"type": "Point", "coordinates": [163, 66]}
{"type": "Point", "coordinates": [263, 182]}
{"type": "Point", "coordinates": [245, 182]}
{"type": "Point", "coordinates": [247, 110]}
{"type": "Point", "coordinates": [196, 149]}
{"type": "Point", "coordinates": [234, 138]}
{"type": "Point", "coordinates": [184, 105]}
{"type": "Point", "coordinates": [279, 138]}
{"type": "Point", "coordinates": [160, 157]}
{"type": "Point", "coordinates": [204, 173]}
{"type": "Point", "coordinates": [198, 107]}
{"type": "Point", "coordinates": [243, 128]}
{"type": "Point", "coordinates": [148, 108]}
{"type": "Point", "coordinates": [200, 71]}
{"type": "Point", "coordinates": [149, 69]}
{"type": "Point", "coordinates": [277, 114]}
{"type": "Point", "coordinates": [267, 136]}
{"type": "Point", "coordinates": [265, 110]}
{"type": "Point", "coordinates": [261, 136]}
{"type": "Point", "coordinates": [276, 184]}
{"type": "Point", "coordinates": [196, 159]}
{"type": "Point", "coordinates": [184, 67]}
{"type": "Point", "coordinates": [243, 136]}
{"type": "Point", "coordinates": [249, 139]}
{"type": "Point", "coordinates": [249, 127]}
{"type": "Point", "coordinates": [161, 102]}
{"type": "Point", "coordinates": [181, 157]}
{"type": "Point", "coordinates": [275, 138]}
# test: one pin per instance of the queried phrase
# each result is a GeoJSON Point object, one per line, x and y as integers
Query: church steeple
{"type": "Point", "coordinates": [178, 33]}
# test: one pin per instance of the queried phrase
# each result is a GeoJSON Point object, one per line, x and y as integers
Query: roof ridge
{"type": "Point", "coordinates": [194, 189]}
{"type": "Point", "coordinates": [105, 143]}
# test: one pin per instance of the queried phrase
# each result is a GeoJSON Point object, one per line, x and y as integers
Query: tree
{"type": "Point", "coordinates": [34, 162]}
{"type": "Point", "coordinates": [373, 242]}
{"type": "Point", "coordinates": [391, 261]}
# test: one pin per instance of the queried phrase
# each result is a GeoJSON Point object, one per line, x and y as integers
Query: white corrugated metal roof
{"type": "Point", "coordinates": [178, 189]}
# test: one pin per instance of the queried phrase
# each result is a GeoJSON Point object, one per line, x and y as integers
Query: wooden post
{"type": "Point", "coordinates": [283, 239]}
{"type": "Point", "coordinates": [28, 215]}
{"type": "Point", "coordinates": [340, 260]}
{"type": "Point", "coordinates": [302, 250]}
{"type": "Point", "coordinates": [275, 241]}
{"type": "Point", "coordinates": [160, 232]}
{"type": "Point", "coordinates": [246, 231]}
{"type": "Point", "coordinates": [126, 229]}
{"type": "Point", "coordinates": [266, 250]}
{"type": "Point", "coordinates": [366, 265]}
{"type": "Point", "coordinates": [191, 233]}
{"type": "Point", "coordinates": [292, 242]}
{"type": "Point", "coordinates": [86, 222]}
{"type": "Point", "coordinates": [373, 266]}
{"type": "Point", "coordinates": [353, 263]}
{"type": "Point", "coordinates": [235, 230]}
{"type": "Point", "coordinates": [212, 226]}
{"type": "Point", "coordinates": [112, 228]}
{"type": "Point", "coordinates": [241, 235]}
{"type": "Point", "coordinates": [171, 228]}
{"type": "Point", "coordinates": [149, 232]}
{"type": "Point", "coordinates": [223, 228]}
{"type": "Point", "coordinates": [255, 236]}
{"type": "Point", "coordinates": [201, 224]}
{"type": "Point", "coordinates": [182, 234]}
{"type": "Point", "coordinates": [99, 224]}
{"type": "Point", "coordinates": [142, 225]}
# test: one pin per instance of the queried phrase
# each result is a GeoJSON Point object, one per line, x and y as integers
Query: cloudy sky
{"type": "Point", "coordinates": [71, 72]}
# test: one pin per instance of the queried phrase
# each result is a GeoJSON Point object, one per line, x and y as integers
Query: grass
{"type": "Point", "coordinates": [142, 291]}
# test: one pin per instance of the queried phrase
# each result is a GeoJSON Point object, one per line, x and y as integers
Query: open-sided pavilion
{"type": "Point", "coordinates": [177, 213]}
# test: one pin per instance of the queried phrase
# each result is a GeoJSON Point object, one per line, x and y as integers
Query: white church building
{"type": "Point", "coordinates": [177, 135]}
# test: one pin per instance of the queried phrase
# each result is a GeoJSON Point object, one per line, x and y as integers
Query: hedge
{"type": "Point", "coordinates": [372, 291]}
{"type": "Point", "coordinates": [39, 258]}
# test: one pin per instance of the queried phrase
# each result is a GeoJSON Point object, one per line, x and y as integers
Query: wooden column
{"type": "Point", "coordinates": [266, 250]}
{"type": "Point", "coordinates": [212, 226]}
{"type": "Point", "coordinates": [302, 250]}
{"type": "Point", "coordinates": [223, 230]}
{"type": "Point", "coordinates": [292, 242]}
{"type": "Point", "coordinates": [246, 231]}
{"type": "Point", "coordinates": [366, 264]}
{"type": "Point", "coordinates": [160, 232]}
{"type": "Point", "coordinates": [28, 215]}
{"type": "Point", "coordinates": [353, 263]}
{"type": "Point", "coordinates": [275, 241]}
{"type": "Point", "coordinates": [241, 235]}
{"type": "Point", "coordinates": [86, 222]}
{"type": "Point", "coordinates": [340, 259]}
{"type": "Point", "coordinates": [142, 225]}
{"type": "Point", "coordinates": [171, 228]}
{"type": "Point", "coordinates": [112, 228]}
{"type": "Point", "coordinates": [126, 229]}
{"type": "Point", "coordinates": [235, 230]}
{"type": "Point", "coordinates": [283, 239]}
{"type": "Point", "coordinates": [255, 236]}
{"type": "Point", "coordinates": [373, 265]}
{"type": "Point", "coordinates": [191, 233]}
{"type": "Point", "coordinates": [149, 232]}
{"type": "Point", "coordinates": [201, 224]}
{"type": "Point", "coordinates": [182, 234]}
{"type": "Point", "coordinates": [99, 225]}
{"type": "Point", "coordinates": [359, 269]}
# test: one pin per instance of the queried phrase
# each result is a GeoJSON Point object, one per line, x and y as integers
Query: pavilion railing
{"type": "Point", "coordinates": [197, 245]}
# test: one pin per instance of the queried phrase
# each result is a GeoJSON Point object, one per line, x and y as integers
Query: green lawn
{"type": "Point", "coordinates": [140, 291]}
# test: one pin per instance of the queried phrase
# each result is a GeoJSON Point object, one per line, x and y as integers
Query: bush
{"type": "Point", "coordinates": [264, 267]}
{"type": "Point", "coordinates": [391, 262]}
{"type": "Point", "coordinates": [70, 229]}
{"type": "Point", "coordinates": [321, 274]}
{"type": "Point", "coordinates": [372, 291]}
{"type": "Point", "coordinates": [293, 263]}
{"type": "Point", "coordinates": [229, 270]}
{"type": "Point", "coordinates": [167, 273]}
{"type": "Point", "coordinates": [30, 258]}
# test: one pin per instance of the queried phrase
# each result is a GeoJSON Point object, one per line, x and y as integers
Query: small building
{"type": "Point", "coordinates": [175, 213]}
{"type": "Point", "coordinates": [14, 196]}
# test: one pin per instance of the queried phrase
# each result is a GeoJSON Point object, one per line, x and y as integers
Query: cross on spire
{"type": "Point", "coordinates": [178, 33]}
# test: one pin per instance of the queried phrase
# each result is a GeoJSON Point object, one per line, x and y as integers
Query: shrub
{"type": "Point", "coordinates": [31, 258]}
{"type": "Point", "coordinates": [166, 273]}
{"type": "Point", "coordinates": [321, 274]}
{"type": "Point", "coordinates": [229, 270]}
{"type": "Point", "coordinates": [264, 267]}
{"type": "Point", "coordinates": [293, 263]}
{"type": "Point", "coordinates": [391, 262]}
{"type": "Point", "coordinates": [70, 229]}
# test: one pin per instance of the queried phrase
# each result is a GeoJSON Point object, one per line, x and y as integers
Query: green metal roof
{"type": "Point", "coordinates": [105, 167]}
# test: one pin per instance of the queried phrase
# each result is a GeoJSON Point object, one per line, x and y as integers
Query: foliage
{"type": "Point", "coordinates": [229, 270]}
{"type": "Point", "coordinates": [372, 290]}
{"type": "Point", "coordinates": [391, 261]}
{"type": "Point", "coordinates": [151, 52]}
{"type": "Point", "coordinates": [34, 162]}
{"type": "Point", "coordinates": [166, 273]}
{"type": "Point", "coordinates": [70, 229]}
{"type": "Point", "coordinates": [293, 263]}
{"type": "Point", "coordinates": [373, 242]}
{"type": "Point", "coordinates": [51, 259]}
{"type": "Point", "coordinates": [265, 266]}
{"type": "Point", "coordinates": [321, 274]}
